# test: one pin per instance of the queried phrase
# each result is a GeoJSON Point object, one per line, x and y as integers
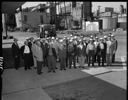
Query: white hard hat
{"type": "Point", "coordinates": [53, 37]}
{"type": "Point", "coordinates": [61, 40]}
{"type": "Point", "coordinates": [75, 37]}
{"type": "Point", "coordinates": [112, 35]}
{"type": "Point", "coordinates": [70, 40]}
{"type": "Point", "coordinates": [79, 40]}
{"type": "Point", "coordinates": [105, 36]}
{"type": "Point", "coordinates": [90, 39]}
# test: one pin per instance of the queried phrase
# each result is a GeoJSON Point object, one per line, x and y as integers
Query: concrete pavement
{"type": "Point", "coordinates": [27, 85]}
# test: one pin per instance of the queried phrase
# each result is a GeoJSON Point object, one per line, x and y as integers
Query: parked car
{"type": "Point", "coordinates": [47, 30]}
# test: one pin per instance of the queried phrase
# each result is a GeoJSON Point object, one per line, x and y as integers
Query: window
{"type": "Point", "coordinates": [25, 18]}
{"type": "Point", "coordinates": [73, 4]}
{"type": "Point", "coordinates": [41, 19]}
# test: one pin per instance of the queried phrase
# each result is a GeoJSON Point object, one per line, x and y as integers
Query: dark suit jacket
{"type": "Point", "coordinates": [22, 51]}
{"type": "Point", "coordinates": [30, 46]}
{"type": "Point", "coordinates": [81, 51]}
{"type": "Point", "coordinates": [99, 49]}
{"type": "Point", "coordinates": [15, 50]}
{"type": "Point", "coordinates": [44, 48]}
{"type": "Point", "coordinates": [105, 47]}
{"type": "Point", "coordinates": [53, 51]}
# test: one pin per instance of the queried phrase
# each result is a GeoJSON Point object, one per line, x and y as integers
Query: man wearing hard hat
{"type": "Point", "coordinates": [109, 52]}
{"type": "Point", "coordinates": [90, 51]}
{"type": "Point", "coordinates": [71, 54]}
{"type": "Point", "coordinates": [115, 46]}
{"type": "Point", "coordinates": [96, 42]}
{"type": "Point", "coordinates": [101, 52]}
{"type": "Point", "coordinates": [51, 57]}
{"type": "Point", "coordinates": [62, 55]}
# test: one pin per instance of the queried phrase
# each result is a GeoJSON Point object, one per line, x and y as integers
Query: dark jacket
{"type": "Point", "coordinates": [15, 50]}
{"type": "Point", "coordinates": [105, 47]}
{"type": "Point", "coordinates": [81, 51]}
{"type": "Point", "coordinates": [30, 46]}
{"type": "Point", "coordinates": [99, 50]}
{"type": "Point", "coordinates": [53, 51]}
{"type": "Point", "coordinates": [71, 50]}
{"type": "Point", "coordinates": [44, 48]}
{"type": "Point", "coordinates": [22, 51]}
{"type": "Point", "coordinates": [30, 59]}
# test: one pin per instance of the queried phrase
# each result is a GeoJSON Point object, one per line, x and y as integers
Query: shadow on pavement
{"type": "Point", "coordinates": [88, 88]}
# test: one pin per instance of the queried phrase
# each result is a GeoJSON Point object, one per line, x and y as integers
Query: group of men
{"type": "Point", "coordinates": [67, 51]}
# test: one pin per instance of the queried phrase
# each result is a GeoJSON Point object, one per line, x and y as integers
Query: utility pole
{"type": "Point", "coordinates": [99, 11]}
{"type": "Point", "coordinates": [55, 15]}
{"type": "Point", "coordinates": [83, 17]}
{"type": "Point", "coordinates": [5, 18]}
{"type": "Point", "coordinates": [65, 15]}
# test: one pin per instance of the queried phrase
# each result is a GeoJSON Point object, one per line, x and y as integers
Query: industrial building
{"type": "Point", "coordinates": [70, 15]}
{"type": "Point", "coordinates": [74, 13]}
{"type": "Point", "coordinates": [25, 20]}
{"type": "Point", "coordinates": [122, 21]}
{"type": "Point", "coordinates": [31, 18]}
{"type": "Point", "coordinates": [80, 12]}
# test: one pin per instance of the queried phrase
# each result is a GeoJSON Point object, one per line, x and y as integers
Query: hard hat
{"type": "Point", "coordinates": [112, 35]}
{"type": "Point", "coordinates": [91, 39]}
{"type": "Point", "coordinates": [79, 40]}
{"type": "Point", "coordinates": [105, 36]}
{"type": "Point", "coordinates": [53, 37]}
{"type": "Point", "coordinates": [60, 40]}
{"type": "Point", "coordinates": [70, 40]}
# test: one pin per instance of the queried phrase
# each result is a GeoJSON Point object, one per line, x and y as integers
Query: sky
{"type": "Point", "coordinates": [95, 5]}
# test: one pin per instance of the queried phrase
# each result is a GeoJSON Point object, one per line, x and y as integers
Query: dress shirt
{"type": "Point", "coordinates": [26, 49]}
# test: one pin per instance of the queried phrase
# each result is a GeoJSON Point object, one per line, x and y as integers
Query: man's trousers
{"type": "Point", "coordinates": [39, 66]}
{"type": "Point", "coordinates": [51, 63]}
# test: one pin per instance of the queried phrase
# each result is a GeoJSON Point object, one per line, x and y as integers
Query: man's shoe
{"type": "Point", "coordinates": [49, 71]}
{"type": "Point", "coordinates": [29, 68]}
{"type": "Point", "coordinates": [16, 68]}
{"type": "Point", "coordinates": [40, 73]}
{"type": "Point", "coordinates": [25, 69]}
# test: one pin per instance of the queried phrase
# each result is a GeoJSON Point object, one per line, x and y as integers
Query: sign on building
{"type": "Point", "coordinates": [92, 26]}
{"type": "Point", "coordinates": [106, 14]}
{"type": "Point", "coordinates": [109, 9]}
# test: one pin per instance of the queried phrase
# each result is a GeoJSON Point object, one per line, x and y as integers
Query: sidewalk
{"type": "Point", "coordinates": [27, 85]}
